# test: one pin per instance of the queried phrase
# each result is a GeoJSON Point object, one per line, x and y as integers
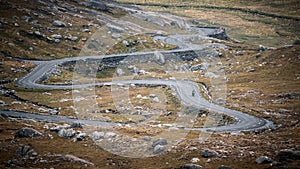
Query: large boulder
{"type": "Point", "coordinates": [27, 132]}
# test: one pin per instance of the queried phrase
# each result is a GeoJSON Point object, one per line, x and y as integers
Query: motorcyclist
{"type": "Point", "coordinates": [193, 93]}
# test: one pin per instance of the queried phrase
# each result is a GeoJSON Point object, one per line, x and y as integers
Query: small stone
{"type": "Point", "coordinates": [2, 103]}
{"type": "Point", "coordinates": [152, 96]}
{"type": "Point", "coordinates": [194, 160]}
{"type": "Point", "coordinates": [240, 53]}
{"type": "Point", "coordinates": [74, 38]}
{"type": "Point", "coordinates": [86, 30]}
{"type": "Point", "coordinates": [27, 132]}
{"type": "Point", "coordinates": [120, 72]}
{"type": "Point", "coordinates": [56, 36]}
{"type": "Point", "coordinates": [251, 70]}
{"type": "Point", "coordinates": [263, 160]}
{"type": "Point", "coordinates": [261, 48]}
{"type": "Point", "coordinates": [54, 112]}
{"type": "Point", "coordinates": [26, 18]}
{"type": "Point", "coordinates": [58, 23]}
{"type": "Point", "coordinates": [258, 55]}
{"type": "Point", "coordinates": [116, 36]}
{"type": "Point", "coordinates": [158, 149]}
{"type": "Point", "coordinates": [207, 153]}
{"type": "Point", "coordinates": [11, 44]}
{"type": "Point", "coordinates": [156, 100]}
{"type": "Point", "coordinates": [224, 167]}
{"type": "Point", "coordinates": [191, 166]}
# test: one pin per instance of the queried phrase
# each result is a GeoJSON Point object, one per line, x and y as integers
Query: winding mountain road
{"type": "Point", "coordinates": [183, 88]}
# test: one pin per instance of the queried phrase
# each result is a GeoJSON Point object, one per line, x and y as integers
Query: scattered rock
{"type": "Point", "coordinates": [156, 100]}
{"type": "Point", "coordinates": [139, 96]}
{"type": "Point", "coordinates": [26, 18]}
{"type": "Point", "coordinates": [80, 136]}
{"type": "Point", "coordinates": [210, 75]}
{"type": "Point", "coordinates": [258, 55]}
{"type": "Point", "coordinates": [76, 125]}
{"type": "Point", "coordinates": [27, 132]}
{"type": "Point", "coordinates": [207, 153]}
{"type": "Point", "coordinates": [160, 141]}
{"type": "Point", "coordinates": [66, 133]}
{"type": "Point", "coordinates": [158, 149]}
{"type": "Point", "coordinates": [85, 30]}
{"type": "Point", "coordinates": [146, 138]}
{"type": "Point", "coordinates": [194, 160]}
{"type": "Point", "coordinates": [54, 112]}
{"type": "Point", "coordinates": [202, 66]}
{"type": "Point", "coordinates": [152, 96]}
{"type": "Point", "coordinates": [110, 135]}
{"type": "Point", "coordinates": [116, 35]}
{"type": "Point", "coordinates": [58, 23]}
{"type": "Point", "coordinates": [224, 167]}
{"type": "Point", "coordinates": [24, 150]}
{"type": "Point", "coordinates": [263, 160]}
{"type": "Point", "coordinates": [251, 70]}
{"type": "Point", "coordinates": [56, 36]}
{"type": "Point", "coordinates": [77, 160]}
{"type": "Point", "coordinates": [240, 53]}
{"type": "Point", "coordinates": [290, 95]}
{"type": "Point", "coordinates": [59, 127]}
{"type": "Point", "coordinates": [96, 135]}
{"type": "Point", "coordinates": [120, 72]}
{"type": "Point", "coordinates": [261, 48]}
{"type": "Point", "coordinates": [2, 103]}
{"type": "Point", "coordinates": [74, 38]}
{"type": "Point", "coordinates": [191, 166]}
{"type": "Point", "coordinates": [288, 155]}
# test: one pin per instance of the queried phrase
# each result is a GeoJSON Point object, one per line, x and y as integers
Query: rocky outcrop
{"type": "Point", "coordinates": [27, 132]}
